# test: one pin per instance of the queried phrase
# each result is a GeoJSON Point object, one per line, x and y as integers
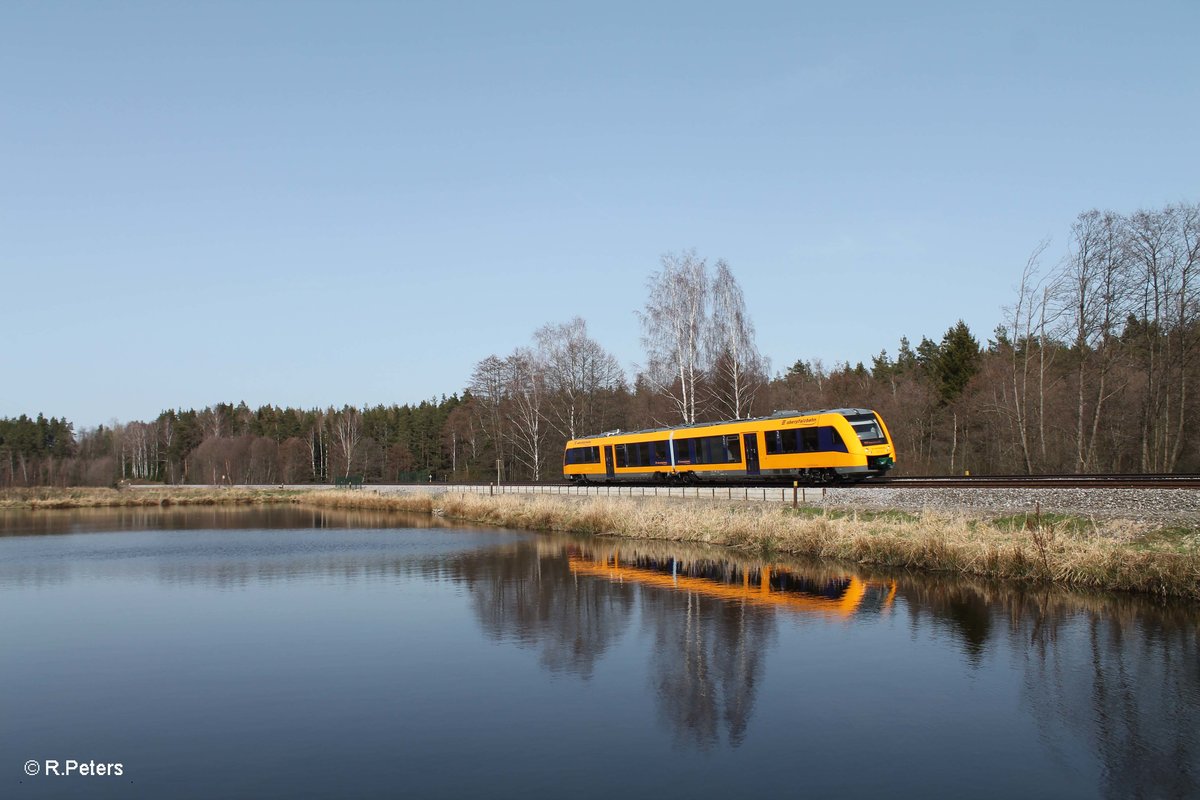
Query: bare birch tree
{"type": "Point", "coordinates": [318, 449]}
{"type": "Point", "coordinates": [1187, 322]}
{"type": "Point", "coordinates": [1167, 261]}
{"type": "Point", "coordinates": [525, 391]}
{"type": "Point", "coordinates": [166, 436]}
{"type": "Point", "coordinates": [139, 450]}
{"type": "Point", "coordinates": [1094, 279]}
{"type": "Point", "coordinates": [488, 387]}
{"type": "Point", "coordinates": [347, 431]}
{"type": "Point", "coordinates": [673, 324]}
{"type": "Point", "coordinates": [577, 370]}
{"type": "Point", "coordinates": [736, 368]}
{"type": "Point", "coordinates": [1027, 319]}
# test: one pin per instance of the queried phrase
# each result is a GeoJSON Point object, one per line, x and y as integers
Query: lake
{"type": "Point", "coordinates": [311, 653]}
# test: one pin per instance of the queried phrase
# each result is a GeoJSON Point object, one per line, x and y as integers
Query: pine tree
{"type": "Point", "coordinates": [956, 361]}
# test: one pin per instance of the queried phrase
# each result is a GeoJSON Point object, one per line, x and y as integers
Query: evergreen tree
{"type": "Point", "coordinates": [799, 370]}
{"type": "Point", "coordinates": [927, 356]}
{"type": "Point", "coordinates": [882, 366]}
{"type": "Point", "coordinates": [906, 359]}
{"type": "Point", "coordinates": [956, 361]}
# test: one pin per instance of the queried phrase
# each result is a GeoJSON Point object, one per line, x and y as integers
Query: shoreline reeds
{"type": "Point", "coordinates": [1105, 555]}
{"type": "Point", "coordinates": [1098, 554]}
{"type": "Point", "coordinates": [54, 498]}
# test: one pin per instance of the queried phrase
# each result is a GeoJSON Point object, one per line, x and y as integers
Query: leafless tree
{"type": "Point", "coordinates": [347, 430]}
{"type": "Point", "coordinates": [736, 368]}
{"type": "Point", "coordinates": [139, 450]}
{"type": "Point", "coordinates": [1187, 321]}
{"type": "Point", "coordinates": [577, 371]}
{"type": "Point", "coordinates": [1166, 258]}
{"type": "Point", "coordinates": [318, 448]}
{"type": "Point", "coordinates": [1094, 282]}
{"type": "Point", "coordinates": [525, 390]}
{"type": "Point", "coordinates": [264, 456]}
{"type": "Point", "coordinates": [673, 324]}
{"type": "Point", "coordinates": [166, 436]}
{"type": "Point", "coordinates": [294, 464]}
{"type": "Point", "coordinates": [461, 436]}
{"type": "Point", "coordinates": [488, 387]}
{"type": "Point", "coordinates": [1031, 354]}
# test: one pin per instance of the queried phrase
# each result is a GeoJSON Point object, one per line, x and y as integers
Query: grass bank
{"type": "Point", "coordinates": [51, 498]}
{"type": "Point", "coordinates": [1070, 550]}
{"type": "Point", "coordinates": [1074, 551]}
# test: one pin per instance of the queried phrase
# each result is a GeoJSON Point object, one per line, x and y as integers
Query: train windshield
{"type": "Point", "coordinates": [867, 428]}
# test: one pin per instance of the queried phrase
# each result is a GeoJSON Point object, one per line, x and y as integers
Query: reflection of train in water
{"type": "Point", "coordinates": [811, 446]}
{"type": "Point", "coordinates": [835, 595]}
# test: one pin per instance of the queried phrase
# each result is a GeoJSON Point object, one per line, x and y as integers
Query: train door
{"type": "Point", "coordinates": [608, 461]}
{"type": "Point", "coordinates": [751, 443]}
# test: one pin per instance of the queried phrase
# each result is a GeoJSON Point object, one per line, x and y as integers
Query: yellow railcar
{"type": "Point", "coordinates": [810, 446]}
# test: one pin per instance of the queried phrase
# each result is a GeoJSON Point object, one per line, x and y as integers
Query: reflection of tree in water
{"type": "Point", "coordinates": [955, 606]}
{"type": "Point", "coordinates": [709, 654]}
{"type": "Point", "coordinates": [1126, 682]}
{"type": "Point", "coordinates": [709, 657]}
{"type": "Point", "coordinates": [532, 598]}
{"type": "Point", "coordinates": [1121, 676]}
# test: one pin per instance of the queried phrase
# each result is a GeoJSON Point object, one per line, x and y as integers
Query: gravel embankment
{"type": "Point", "coordinates": [1149, 505]}
{"type": "Point", "coordinates": [1139, 504]}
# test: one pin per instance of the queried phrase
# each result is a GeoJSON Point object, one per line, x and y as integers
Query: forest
{"type": "Point", "coordinates": [1094, 369]}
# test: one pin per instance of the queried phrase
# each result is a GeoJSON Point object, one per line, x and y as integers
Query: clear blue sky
{"type": "Point", "coordinates": [326, 203]}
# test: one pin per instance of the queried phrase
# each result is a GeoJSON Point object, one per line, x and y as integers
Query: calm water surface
{"type": "Point", "coordinates": [292, 653]}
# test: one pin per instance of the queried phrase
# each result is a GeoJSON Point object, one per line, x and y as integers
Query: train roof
{"type": "Point", "coordinates": [774, 415]}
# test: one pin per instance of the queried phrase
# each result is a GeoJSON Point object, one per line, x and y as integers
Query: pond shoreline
{"type": "Point", "coordinates": [1075, 551]}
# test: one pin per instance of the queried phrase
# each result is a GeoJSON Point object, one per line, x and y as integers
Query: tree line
{"type": "Point", "coordinates": [1094, 369]}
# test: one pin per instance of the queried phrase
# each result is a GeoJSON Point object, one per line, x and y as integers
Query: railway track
{"type": "Point", "coordinates": [1041, 482]}
{"type": "Point", "coordinates": [1133, 481]}
{"type": "Point", "coordinates": [905, 482]}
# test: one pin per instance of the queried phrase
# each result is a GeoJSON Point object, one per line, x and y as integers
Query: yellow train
{"type": "Point", "coordinates": [809, 446]}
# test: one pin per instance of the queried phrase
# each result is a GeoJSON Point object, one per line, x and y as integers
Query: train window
{"type": "Point", "coordinates": [791, 440]}
{"type": "Point", "coordinates": [642, 454]}
{"type": "Point", "coordinates": [683, 451]}
{"type": "Point", "coordinates": [733, 448]}
{"type": "Point", "coordinates": [718, 449]}
{"type": "Point", "coordinates": [582, 455]}
{"type": "Point", "coordinates": [798, 440]}
{"type": "Point", "coordinates": [867, 428]}
{"type": "Point", "coordinates": [831, 440]}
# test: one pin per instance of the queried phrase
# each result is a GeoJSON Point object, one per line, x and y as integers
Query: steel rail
{"type": "Point", "coordinates": [1127, 481]}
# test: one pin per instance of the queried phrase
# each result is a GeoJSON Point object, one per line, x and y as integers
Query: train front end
{"type": "Point", "coordinates": [875, 438]}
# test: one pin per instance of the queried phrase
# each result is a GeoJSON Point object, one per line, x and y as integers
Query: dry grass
{"type": "Point", "coordinates": [1108, 554]}
{"type": "Point", "coordinates": [1101, 555]}
{"type": "Point", "coordinates": [46, 498]}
